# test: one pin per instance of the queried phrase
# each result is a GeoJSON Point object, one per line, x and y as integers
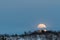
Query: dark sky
{"type": "Point", "coordinates": [17, 16]}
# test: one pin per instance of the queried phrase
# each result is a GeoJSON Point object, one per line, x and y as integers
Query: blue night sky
{"type": "Point", "coordinates": [17, 16]}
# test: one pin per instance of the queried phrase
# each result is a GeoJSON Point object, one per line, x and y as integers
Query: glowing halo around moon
{"type": "Point", "coordinates": [41, 26]}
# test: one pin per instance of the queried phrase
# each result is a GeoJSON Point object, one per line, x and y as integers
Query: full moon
{"type": "Point", "coordinates": [41, 26]}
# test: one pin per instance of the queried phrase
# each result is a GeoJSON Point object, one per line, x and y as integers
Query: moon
{"type": "Point", "coordinates": [41, 26]}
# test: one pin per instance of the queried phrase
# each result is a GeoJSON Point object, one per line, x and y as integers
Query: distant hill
{"type": "Point", "coordinates": [38, 34]}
